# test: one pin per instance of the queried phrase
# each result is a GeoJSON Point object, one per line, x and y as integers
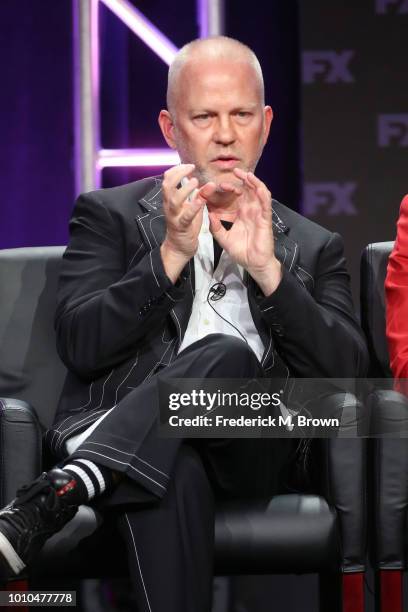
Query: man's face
{"type": "Point", "coordinates": [220, 122]}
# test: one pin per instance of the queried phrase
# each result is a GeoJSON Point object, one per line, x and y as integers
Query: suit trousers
{"type": "Point", "coordinates": [164, 505]}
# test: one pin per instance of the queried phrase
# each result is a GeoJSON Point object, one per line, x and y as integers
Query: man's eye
{"type": "Point", "coordinates": [203, 116]}
{"type": "Point", "coordinates": [243, 114]}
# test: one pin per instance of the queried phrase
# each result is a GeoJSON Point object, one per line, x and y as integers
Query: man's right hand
{"type": "Point", "coordinates": [183, 217]}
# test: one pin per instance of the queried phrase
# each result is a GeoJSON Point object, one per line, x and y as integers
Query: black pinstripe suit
{"type": "Point", "coordinates": [119, 323]}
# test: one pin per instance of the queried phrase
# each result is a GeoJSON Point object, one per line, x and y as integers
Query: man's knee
{"type": "Point", "coordinates": [229, 350]}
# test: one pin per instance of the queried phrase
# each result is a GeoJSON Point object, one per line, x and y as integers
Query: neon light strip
{"type": "Point", "coordinates": [137, 157]}
{"type": "Point", "coordinates": [142, 27]}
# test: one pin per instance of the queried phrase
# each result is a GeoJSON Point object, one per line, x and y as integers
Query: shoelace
{"type": "Point", "coordinates": [27, 515]}
{"type": "Point", "coordinates": [27, 492]}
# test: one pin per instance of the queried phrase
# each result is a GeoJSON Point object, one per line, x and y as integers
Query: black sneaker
{"type": "Point", "coordinates": [39, 510]}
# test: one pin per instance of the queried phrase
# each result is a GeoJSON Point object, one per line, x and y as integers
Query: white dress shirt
{"type": "Point", "coordinates": [234, 306]}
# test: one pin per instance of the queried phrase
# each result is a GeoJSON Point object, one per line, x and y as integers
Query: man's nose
{"type": "Point", "coordinates": [225, 132]}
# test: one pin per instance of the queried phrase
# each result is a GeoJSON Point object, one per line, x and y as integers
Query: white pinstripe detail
{"type": "Point", "coordinates": [293, 259]}
{"type": "Point", "coordinates": [286, 253]}
{"type": "Point", "coordinates": [103, 388]}
{"type": "Point", "coordinates": [269, 347]}
{"type": "Point", "coordinates": [141, 245]}
{"type": "Point", "coordinates": [266, 309]}
{"type": "Point", "coordinates": [274, 213]}
{"type": "Point", "coordinates": [148, 203]}
{"type": "Point", "coordinates": [117, 388]}
{"type": "Point", "coordinates": [169, 296]}
{"type": "Point", "coordinates": [272, 364]}
{"type": "Point", "coordinates": [73, 442]}
{"type": "Point", "coordinates": [301, 280]}
{"type": "Point", "coordinates": [178, 323]}
{"type": "Point", "coordinates": [151, 229]}
{"type": "Point", "coordinates": [77, 425]}
{"type": "Point", "coordinates": [166, 341]}
{"type": "Point", "coordinates": [306, 272]}
{"type": "Point", "coordinates": [61, 431]}
{"type": "Point", "coordinates": [151, 265]}
{"type": "Point", "coordinates": [126, 377]}
{"type": "Point", "coordinates": [124, 463]}
{"type": "Point", "coordinates": [90, 398]}
{"type": "Point", "coordinates": [148, 375]}
{"type": "Point", "coordinates": [171, 356]}
{"type": "Point", "coordinates": [130, 455]}
{"type": "Point", "coordinates": [56, 431]}
{"type": "Point", "coordinates": [155, 194]}
{"type": "Point", "coordinates": [144, 231]}
{"type": "Point", "coordinates": [138, 562]}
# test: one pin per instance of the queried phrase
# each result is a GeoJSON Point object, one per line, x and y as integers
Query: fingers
{"type": "Point", "coordinates": [218, 230]}
{"type": "Point", "coordinates": [172, 178]}
{"type": "Point", "coordinates": [192, 209]}
{"type": "Point", "coordinates": [230, 187]}
{"type": "Point", "coordinates": [206, 191]}
{"type": "Point", "coordinates": [184, 192]}
{"type": "Point", "coordinates": [263, 194]}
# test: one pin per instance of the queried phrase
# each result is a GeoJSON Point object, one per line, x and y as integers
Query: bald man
{"type": "Point", "coordinates": [195, 274]}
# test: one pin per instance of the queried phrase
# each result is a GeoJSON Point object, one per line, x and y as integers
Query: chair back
{"type": "Point", "coordinates": [30, 368]}
{"type": "Point", "coordinates": [372, 298]}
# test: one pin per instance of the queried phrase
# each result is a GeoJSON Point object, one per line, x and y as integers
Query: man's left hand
{"type": "Point", "coordinates": [250, 240]}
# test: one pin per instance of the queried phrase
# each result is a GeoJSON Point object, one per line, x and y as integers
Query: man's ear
{"type": "Point", "coordinates": [167, 127]}
{"type": "Point", "coordinates": [268, 117]}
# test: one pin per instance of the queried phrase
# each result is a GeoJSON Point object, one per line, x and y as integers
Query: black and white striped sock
{"type": "Point", "coordinates": [94, 478]}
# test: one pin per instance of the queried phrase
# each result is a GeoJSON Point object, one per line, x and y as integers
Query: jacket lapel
{"type": "Point", "coordinates": [152, 226]}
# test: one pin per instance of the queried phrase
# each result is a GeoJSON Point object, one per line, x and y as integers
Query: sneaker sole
{"type": "Point", "coordinates": [10, 563]}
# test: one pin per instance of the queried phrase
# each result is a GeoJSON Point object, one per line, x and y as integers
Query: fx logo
{"type": "Point", "coordinates": [333, 198]}
{"type": "Point", "coordinates": [330, 66]}
{"type": "Point", "coordinates": [383, 6]}
{"type": "Point", "coordinates": [393, 129]}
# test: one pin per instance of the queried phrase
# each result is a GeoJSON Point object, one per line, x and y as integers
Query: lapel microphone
{"type": "Point", "coordinates": [217, 291]}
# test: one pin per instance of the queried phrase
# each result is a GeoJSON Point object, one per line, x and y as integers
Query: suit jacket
{"type": "Point", "coordinates": [119, 317]}
{"type": "Point", "coordinates": [396, 287]}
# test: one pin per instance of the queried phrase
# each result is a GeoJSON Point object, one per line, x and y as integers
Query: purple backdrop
{"type": "Point", "coordinates": [37, 180]}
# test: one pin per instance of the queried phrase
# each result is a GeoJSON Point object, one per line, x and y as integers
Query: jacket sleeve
{"type": "Point", "coordinates": [106, 305]}
{"type": "Point", "coordinates": [396, 288]}
{"type": "Point", "coordinates": [317, 333]}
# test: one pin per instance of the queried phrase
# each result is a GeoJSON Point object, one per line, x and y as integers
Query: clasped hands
{"type": "Point", "coordinates": [250, 240]}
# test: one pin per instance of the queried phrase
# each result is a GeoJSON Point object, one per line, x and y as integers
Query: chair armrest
{"type": "Point", "coordinates": [389, 478]}
{"type": "Point", "coordinates": [339, 466]}
{"type": "Point", "coordinates": [20, 447]}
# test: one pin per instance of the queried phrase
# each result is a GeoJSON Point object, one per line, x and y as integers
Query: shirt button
{"type": "Point", "coordinates": [206, 322]}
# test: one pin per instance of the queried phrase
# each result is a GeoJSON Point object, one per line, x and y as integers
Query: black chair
{"type": "Point", "coordinates": [388, 453]}
{"type": "Point", "coordinates": [317, 532]}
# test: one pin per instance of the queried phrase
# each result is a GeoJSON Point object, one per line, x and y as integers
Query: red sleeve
{"type": "Point", "coordinates": [396, 288]}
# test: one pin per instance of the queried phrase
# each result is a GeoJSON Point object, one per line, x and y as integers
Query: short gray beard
{"type": "Point", "coordinates": [205, 177]}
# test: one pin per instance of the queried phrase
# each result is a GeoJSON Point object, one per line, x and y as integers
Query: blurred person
{"type": "Point", "coordinates": [396, 288]}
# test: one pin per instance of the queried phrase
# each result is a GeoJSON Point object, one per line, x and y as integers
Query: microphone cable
{"type": "Point", "coordinates": [218, 290]}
